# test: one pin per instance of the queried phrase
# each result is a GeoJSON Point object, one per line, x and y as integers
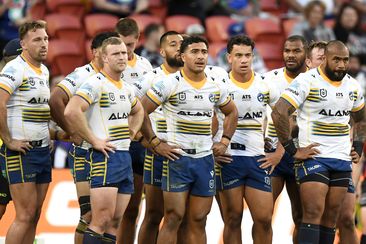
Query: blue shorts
{"type": "Point", "coordinates": [196, 175]}
{"type": "Point", "coordinates": [34, 166]}
{"type": "Point", "coordinates": [243, 170]}
{"type": "Point", "coordinates": [153, 168]}
{"type": "Point", "coordinates": [79, 167]}
{"type": "Point", "coordinates": [115, 171]}
{"type": "Point", "coordinates": [285, 168]}
{"type": "Point", "coordinates": [137, 152]}
{"type": "Point", "coordinates": [312, 166]}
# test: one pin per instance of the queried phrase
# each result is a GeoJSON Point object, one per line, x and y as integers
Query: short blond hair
{"type": "Point", "coordinates": [110, 41]}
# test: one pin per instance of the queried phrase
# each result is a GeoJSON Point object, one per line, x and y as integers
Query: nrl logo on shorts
{"type": "Point", "coordinates": [211, 184]}
{"type": "Point", "coordinates": [323, 93]}
{"type": "Point", "coordinates": [111, 96]}
{"type": "Point", "coordinates": [182, 96]}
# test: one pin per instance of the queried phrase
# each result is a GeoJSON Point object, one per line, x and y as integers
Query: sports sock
{"type": "Point", "coordinates": [308, 234]}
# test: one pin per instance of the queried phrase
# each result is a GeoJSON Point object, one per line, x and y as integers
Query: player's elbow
{"type": "Point", "coordinates": [276, 114]}
{"type": "Point", "coordinates": [70, 113]}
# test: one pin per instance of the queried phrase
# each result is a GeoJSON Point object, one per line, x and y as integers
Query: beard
{"type": "Point", "coordinates": [296, 68]}
{"type": "Point", "coordinates": [334, 75]}
{"type": "Point", "coordinates": [174, 62]}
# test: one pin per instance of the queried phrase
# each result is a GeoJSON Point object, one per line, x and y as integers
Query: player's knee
{"type": "Point", "coordinates": [233, 220]}
{"type": "Point", "coordinates": [312, 211]}
{"type": "Point", "coordinates": [173, 219]}
{"type": "Point", "coordinates": [27, 216]}
{"type": "Point", "coordinates": [264, 222]}
{"type": "Point", "coordinates": [115, 221]}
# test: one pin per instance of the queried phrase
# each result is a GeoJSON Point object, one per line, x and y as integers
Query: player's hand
{"type": "Point", "coordinates": [354, 155]}
{"type": "Point", "coordinates": [225, 158]}
{"type": "Point", "coordinates": [167, 151]}
{"type": "Point", "coordinates": [310, 151]}
{"type": "Point", "coordinates": [268, 144]}
{"type": "Point", "coordinates": [18, 145]}
{"type": "Point", "coordinates": [270, 160]}
{"type": "Point", "coordinates": [103, 146]}
{"type": "Point", "coordinates": [219, 149]}
{"type": "Point", "coordinates": [63, 136]}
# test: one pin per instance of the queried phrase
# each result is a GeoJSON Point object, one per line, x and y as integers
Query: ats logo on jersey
{"type": "Point", "coordinates": [134, 75]}
{"type": "Point", "coordinates": [198, 97]}
{"type": "Point", "coordinates": [246, 97]}
{"type": "Point", "coordinates": [323, 93]}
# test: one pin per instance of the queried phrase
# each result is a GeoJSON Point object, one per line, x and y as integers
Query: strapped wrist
{"type": "Point", "coordinates": [155, 141]}
{"type": "Point", "coordinates": [290, 147]}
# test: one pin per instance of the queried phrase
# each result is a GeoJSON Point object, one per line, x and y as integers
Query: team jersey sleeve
{"type": "Point", "coordinates": [359, 99]}
{"type": "Point", "coordinates": [224, 97]}
{"type": "Point", "coordinates": [132, 97]}
{"type": "Point", "coordinates": [68, 84]}
{"type": "Point", "coordinates": [160, 91]}
{"type": "Point", "coordinates": [11, 78]}
{"type": "Point", "coordinates": [297, 91]}
{"type": "Point", "coordinates": [274, 95]}
{"type": "Point", "coordinates": [90, 90]}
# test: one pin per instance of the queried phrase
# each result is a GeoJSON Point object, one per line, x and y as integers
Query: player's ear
{"type": "Point", "coordinates": [162, 52]}
{"type": "Point", "coordinates": [229, 58]}
{"type": "Point", "coordinates": [22, 44]}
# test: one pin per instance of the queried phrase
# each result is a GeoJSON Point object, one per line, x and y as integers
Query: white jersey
{"type": "Point", "coordinates": [135, 70]}
{"type": "Point", "coordinates": [110, 105]}
{"type": "Point", "coordinates": [188, 107]}
{"type": "Point", "coordinates": [278, 80]}
{"type": "Point", "coordinates": [73, 81]}
{"type": "Point", "coordinates": [324, 109]}
{"type": "Point", "coordinates": [27, 108]}
{"type": "Point", "coordinates": [157, 117]}
{"type": "Point", "coordinates": [251, 99]}
{"type": "Point", "coordinates": [222, 77]}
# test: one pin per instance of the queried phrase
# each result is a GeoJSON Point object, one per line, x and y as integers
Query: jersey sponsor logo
{"type": "Point", "coordinates": [314, 167]}
{"type": "Point", "coordinates": [71, 82]}
{"type": "Point", "coordinates": [338, 113]}
{"type": "Point", "coordinates": [198, 114]}
{"type": "Point", "coordinates": [198, 97]}
{"type": "Point", "coordinates": [138, 86]}
{"type": "Point", "coordinates": [252, 115]}
{"type": "Point", "coordinates": [12, 78]}
{"type": "Point", "coordinates": [296, 93]}
{"type": "Point", "coordinates": [115, 116]}
{"type": "Point", "coordinates": [158, 93]}
{"type": "Point", "coordinates": [38, 100]}
{"type": "Point", "coordinates": [339, 95]}
{"type": "Point", "coordinates": [134, 75]}
{"type": "Point", "coordinates": [247, 97]}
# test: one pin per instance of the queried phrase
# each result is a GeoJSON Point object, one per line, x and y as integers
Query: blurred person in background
{"type": "Point", "coordinates": [348, 29]}
{"type": "Point", "coordinates": [299, 6]}
{"type": "Point", "coordinates": [13, 13]}
{"type": "Point", "coordinates": [151, 48]}
{"type": "Point", "coordinates": [121, 8]}
{"type": "Point", "coordinates": [11, 50]}
{"type": "Point", "coordinates": [313, 28]}
{"type": "Point", "coordinates": [315, 54]}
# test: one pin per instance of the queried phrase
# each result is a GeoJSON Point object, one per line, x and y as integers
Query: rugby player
{"type": "Point", "coordinates": [243, 178]}
{"type": "Point", "coordinates": [24, 117]}
{"type": "Point", "coordinates": [137, 67]}
{"type": "Point", "coordinates": [113, 116]}
{"type": "Point", "coordinates": [153, 166]}
{"type": "Point", "coordinates": [188, 98]}
{"type": "Point", "coordinates": [325, 98]}
{"type": "Point", "coordinates": [60, 96]}
{"type": "Point", "coordinates": [294, 55]}
{"type": "Point", "coordinates": [11, 50]}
